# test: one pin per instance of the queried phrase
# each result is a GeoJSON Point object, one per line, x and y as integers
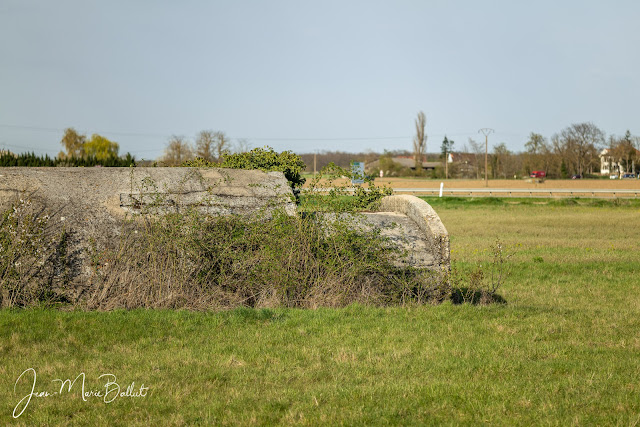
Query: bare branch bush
{"type": "Point", "coordinates": [480, 285]}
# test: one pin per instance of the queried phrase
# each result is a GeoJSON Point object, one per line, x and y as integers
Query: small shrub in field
{"type": "Point", "coordinates": [480, 285]}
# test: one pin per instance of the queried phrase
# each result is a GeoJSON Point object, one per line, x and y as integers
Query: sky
{"type": "Point", "coordinates": [318, 75]}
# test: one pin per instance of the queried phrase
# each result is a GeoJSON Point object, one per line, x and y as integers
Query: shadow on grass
{"type": "Point", "coordinates": [475, 297]}
{"type": "Point", "coordinates": [247, 314]}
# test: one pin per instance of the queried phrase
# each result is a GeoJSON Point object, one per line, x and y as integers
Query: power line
{"type": "Point", "coordinates": [58, 130]}
{"type": "Point", "coordinates": [4, 144]}
{"type": "Point", "coordinates": [266, 139]}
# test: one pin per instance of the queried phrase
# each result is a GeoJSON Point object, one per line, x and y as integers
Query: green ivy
{"type": "Point", "coordinates": [331, 190]}
{"type": "Point", "coordinates": [265, 159]}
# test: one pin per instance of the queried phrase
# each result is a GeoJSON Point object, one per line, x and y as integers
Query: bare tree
{"type": "Point", "coordinates": [537, 154]}
{"type": "Point", "coordinates": [623, 151]}
{"type": "Point", "coordinates": [211, 144]}
{"type": "Point", "coordinates": [420, 140]}
{"type": "Point", "coordinates": [73, 142]}
{"type": "Point", "coordinates": [503, 162]}
{"type": "Point", "coordinates": [478, 151]}
{"type": "Point", "coordinates": [242, 146]}
{"type": "Point", "coordinates": [222, 143]}
{"type": "Point", "coordinates": [500, 151]}
{"type": "Point", "coordinates": [560, 155]}
{"type": "Point", "coordinates": [177, 151]}
{"type": "Point", "coordinates": [580, 144]}
{"type": "Point", "coordinates": [535, 144]}
{"type": "Point", "coordinates": [205, 145]}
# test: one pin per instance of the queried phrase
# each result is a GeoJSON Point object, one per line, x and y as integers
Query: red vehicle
{"type": "Point", "coordinates": [538, 174]}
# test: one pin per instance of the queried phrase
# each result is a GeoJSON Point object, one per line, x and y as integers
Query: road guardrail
{"type": "Point", "coordinates": [527, 192]}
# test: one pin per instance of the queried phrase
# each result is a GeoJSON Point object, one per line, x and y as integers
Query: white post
{"type": "Point", "coordinates": [441, 187]}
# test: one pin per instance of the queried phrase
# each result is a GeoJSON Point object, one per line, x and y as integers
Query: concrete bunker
{"type": "Point", "coordinates": [95, 202]}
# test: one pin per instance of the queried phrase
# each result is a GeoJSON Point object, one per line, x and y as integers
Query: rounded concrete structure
{"type": "Point", "coordinates": [427, 220]}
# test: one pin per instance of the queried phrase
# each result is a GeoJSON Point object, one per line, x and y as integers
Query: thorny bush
{"type": "Point", "coordinates": [33, 261]}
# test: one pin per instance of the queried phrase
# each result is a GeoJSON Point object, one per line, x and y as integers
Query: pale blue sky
{"type": "Point", "coordinates": [306, 75]}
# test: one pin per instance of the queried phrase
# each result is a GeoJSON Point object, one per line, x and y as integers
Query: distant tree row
{"type": "Point", "coordinates": [575, 150]}
{"type": "Point", "coordinates": [31, 160]}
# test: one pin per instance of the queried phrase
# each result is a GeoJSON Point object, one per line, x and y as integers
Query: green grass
{"type": "Point", "coordinates": [564, 350]}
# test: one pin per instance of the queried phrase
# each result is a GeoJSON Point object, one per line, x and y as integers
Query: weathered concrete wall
{"type": "Point", "coordinates": [92, 203]}
{"type": "Point", "coordinates": [109, 193]}
{"type": "Point", "coordinates": [427, 221]}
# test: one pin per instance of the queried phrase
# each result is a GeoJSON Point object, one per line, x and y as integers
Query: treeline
{"type": "Point", "coordinates": [80, 152]}
{"type": "Point", "coordinates": [31, 160]}
{"type": "Point", "coordinates": [576, 150]}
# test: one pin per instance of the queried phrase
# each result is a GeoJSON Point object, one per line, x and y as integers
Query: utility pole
{"type": "Point", "coordinates": [315, 153]}
{"type": "Point", "coordinates": [486, 132]}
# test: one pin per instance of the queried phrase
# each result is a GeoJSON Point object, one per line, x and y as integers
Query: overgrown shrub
{"type": "Point", "coordinates": [264, 159]}
{"type": "Point", "coordinates": [391, 168]}
{"type": "Point", "coordinates": [478, 284]}
{"type": "Point", "coordinates": [228, 261]}
{"type": "Point", "coordinates": [331, 190]}
{"type": "Point", "coordinates": [32, 256]}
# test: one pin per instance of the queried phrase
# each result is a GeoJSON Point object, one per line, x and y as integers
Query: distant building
{"type": "Point", "coordinates": [405, 162]}
{"type": "Point", "coordinates": [466, 164]}
{"type": "Point", "coordinates": [611, 166]}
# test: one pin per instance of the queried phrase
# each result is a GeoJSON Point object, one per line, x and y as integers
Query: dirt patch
{"type": "Point", "coordinates": [578, 184]}
{"type": "Point", "coordinates": [587, 184]}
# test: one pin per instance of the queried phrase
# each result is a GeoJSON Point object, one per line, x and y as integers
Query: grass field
{"type": "Point", "coordinates": [563, 350]}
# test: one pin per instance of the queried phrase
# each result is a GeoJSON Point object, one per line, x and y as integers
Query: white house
{"type": "Point", "coordinates": [611, 166]}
